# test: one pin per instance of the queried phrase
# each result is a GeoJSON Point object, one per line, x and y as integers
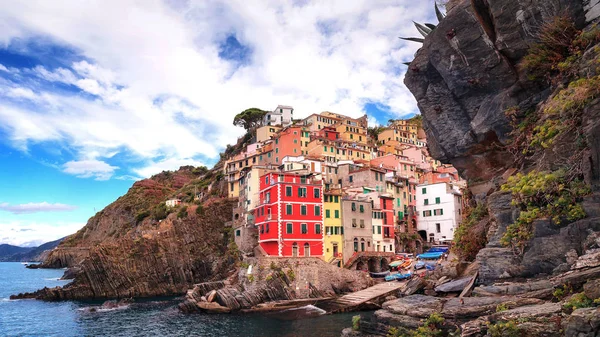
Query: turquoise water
{"type": "Point", "coordinates": [158, 317]}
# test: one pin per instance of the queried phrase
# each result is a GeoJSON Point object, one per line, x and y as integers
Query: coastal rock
{"type": "Point", "coordinates": [584, 323]}
{"type": "Point", "coordinates": [454, 285]}
{"type": "Point", "coordinates": [592, 289]}
{"type": "Point", "coordinates": [275, 279]}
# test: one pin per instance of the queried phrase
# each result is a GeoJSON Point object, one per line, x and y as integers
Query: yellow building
{"type": "Point", "coordinates": [316, 122]}
{"type": "Point", "coordinates": [334, 230]}
{"type": "Point", "coordinates": [265, 132]}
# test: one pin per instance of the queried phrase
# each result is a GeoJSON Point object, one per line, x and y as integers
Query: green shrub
{"type": "Point", "coordinates": [273, 266]}
{"type": "Point", "coordinates": [141, 216]}
{"type": "Point", "coordinates": [578, 301]}
{"type": "Point", "coordinates": [504, 329]}
{"type": "Point", "coordinates": [356, 322]}
{"type": "Point", "coordinates": [251, 278]}
{"type": "Point", "coordinates": [555, 39]}
{"type": "Point", "coordinates": [538, 195]}
{"type": "Point", "coordinates": [502, 307]}
{"type": "Point", "coordinates": [200, 210]}
{"type": "Point", "coordinates": [561, 292]}
{"type": "Point", "coordinates": [244, 265]}
{"type": "Point", "coordinates": [467, 241]}
{"type": "Point", "coordinates": [291, 275]}
{"type": "Point", "coordinates": [160, 212]}
{"type": "Point", "coordinates": [182, 213]}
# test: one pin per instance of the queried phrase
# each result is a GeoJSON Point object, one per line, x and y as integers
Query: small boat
{"type": "Point", "coordinates": [423, 264]}
{"type": "Point", "coordinates": [379, 275]}
{"type": "Point", "coordinates": [430, 255]}
{"type": "Point", "coordinates": [398, 277]}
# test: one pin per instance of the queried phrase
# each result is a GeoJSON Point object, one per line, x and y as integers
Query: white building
{"type": "Point", "coordinates": [282, 115]}
{"type": "Point", "coordinates": [173, 202]}
{"type": "Point", "coordinates": [439, 210]}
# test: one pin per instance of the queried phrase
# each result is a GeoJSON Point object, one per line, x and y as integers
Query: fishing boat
{"type": "Point", "coordinates": [379, 275]}
{"type": "Point", "coordinates": [398, 277]}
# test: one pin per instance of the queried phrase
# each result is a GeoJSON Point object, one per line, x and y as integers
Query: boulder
{"type": "Point", "coordinates": [454, 285]}
{"type": "Point", "coordinates": [592, 289]}
{"type": "Point", "coordinates": [584, 323]}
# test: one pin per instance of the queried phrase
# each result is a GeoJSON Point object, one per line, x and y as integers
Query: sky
{"type": "Point", "coordinates": [95, 95]}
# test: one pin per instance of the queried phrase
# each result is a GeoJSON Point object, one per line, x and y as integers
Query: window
{"type": "Point", "coordinates": [336, 199]}
{"type": "Point", "coordinates": [356, 245]}
{"type": "Point", "coordinates": [318, 229]}
{"type": "Point", "coordinates": [426, 202]}
{"type": "Point", "coordinates": [362, 223]}
{"type": "Point", "coordinates": [289, 228]}
{"type": "Point", "coordinates": [350, 178]}
{"type": "Point", "coordinates": [304, 228]}
{"type": "Point", "coordinates": [353, 222]}
{"type": "Point", "coordinates": [424, 190]}
{"type": "Point", "coordinates": [353, 207]}
{"type": "Point", "coordinates": [426, 213]}
{"type": "Point", "coordinates": [437, 200]}
{"type": "Point", "coordinates": [268, 197]}
{"type": "Point", "coordinates": [267, 180]}
{"type": "Point", "coordinates": [337, 214]}
{"type": "Point", "coordinates": [437, 228]}
{"type": "Point", "coordinates": [303, 210]}
{"type": "Point", "coordinates": [317, 210]}
{"type": "Point", "coordinates": [267, 228]}
{"type": "Point", "coordinates": [288, 191]}
{"type": "Point", "coordinates": [288, 209]}
{"type": "Point", "coordinates": [317, 193]}
{"type": "Point", "coordinates": [327, 213]}
{"type": "Point", "coordinates": [362, 208]}
{"type": "Point", "coordinates": [276, 150]}
{"type": "Point", "coordinates": [438, 211]}
{"type": "Point", "coordinates": [238, 232]}
{"type": "Point", "coordinates": [378, 229]}
{"type": "Point", "coordinates": [302, 192]}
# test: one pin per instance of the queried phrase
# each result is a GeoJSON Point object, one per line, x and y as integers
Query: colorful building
{"type": "Point", "coordinates": [334, 230]}
{"type": "Point", "coordinates": [290, 215]}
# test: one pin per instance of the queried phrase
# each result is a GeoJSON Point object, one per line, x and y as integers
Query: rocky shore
{"type": "Point", "coordinates": [273, 284]}
{"type": "Point", "coordinates": [549, 306]}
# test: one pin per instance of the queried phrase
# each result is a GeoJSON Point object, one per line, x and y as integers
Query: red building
{"type": "Point", "coordinates": [328, 132]}
{"type": "Point", "coordinates": [288, 142]}
{"type": "Point", "coordinates": [387, 209]}
{"type": "Point", "coordinates": [290, 215]}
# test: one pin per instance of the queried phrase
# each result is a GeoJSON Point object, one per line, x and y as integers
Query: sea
{"type": "Point", "coordinates": [148, 317]}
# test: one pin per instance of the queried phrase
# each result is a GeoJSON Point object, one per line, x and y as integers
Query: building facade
{"type": "Point", "coordinates": [290, 215]}
{"type": "Point", "coordinates": [439, 207]}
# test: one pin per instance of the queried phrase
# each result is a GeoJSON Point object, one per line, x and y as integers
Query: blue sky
{"type": "Point", "coordinates": [93, 98]}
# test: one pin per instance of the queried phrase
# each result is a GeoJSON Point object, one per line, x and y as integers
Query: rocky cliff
{"type": "Point", "coordinates": [136, 247]}
{"type": "Point", "coordinates": [508, 90]}
{"type": "Point", "coordinates": [509, 87]}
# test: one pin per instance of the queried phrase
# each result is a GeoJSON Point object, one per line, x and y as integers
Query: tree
{"type": "Point", "coordinates": [249, 118]}
{"type": "Point", "coordinates": [374, 131]}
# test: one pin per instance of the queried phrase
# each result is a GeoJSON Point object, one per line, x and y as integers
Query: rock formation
{"type": "Point", "coordinates": [475, 88]}
{"type": "Point", "coordinates": [465, 78]}
{"type": "Point", "coordinates": [129, 250]}
{"type": "Point", "coordinates": [273, 279]}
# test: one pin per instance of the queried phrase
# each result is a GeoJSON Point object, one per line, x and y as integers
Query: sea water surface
{"type": "Point", "coordinates": [153, 317]}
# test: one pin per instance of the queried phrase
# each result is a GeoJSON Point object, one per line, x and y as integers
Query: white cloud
{"type": "Point", "coordinates": [36, 207]}
{"type": "Point", "coordinates": [89, 168]}
{"type": "Point", "coordinates": [165, 165]}
{"type": "Point", "coordinates": [31, 233]}
{"type": "Point", "coordinates": [161, 91]}
{"type": "Point", "coordinates": [3, 68]}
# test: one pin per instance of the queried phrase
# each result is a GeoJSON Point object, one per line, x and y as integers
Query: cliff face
{"type": "Point", "coordinates": [467, 76]}
{"type": "Point", "coordinates": [136, 247]}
